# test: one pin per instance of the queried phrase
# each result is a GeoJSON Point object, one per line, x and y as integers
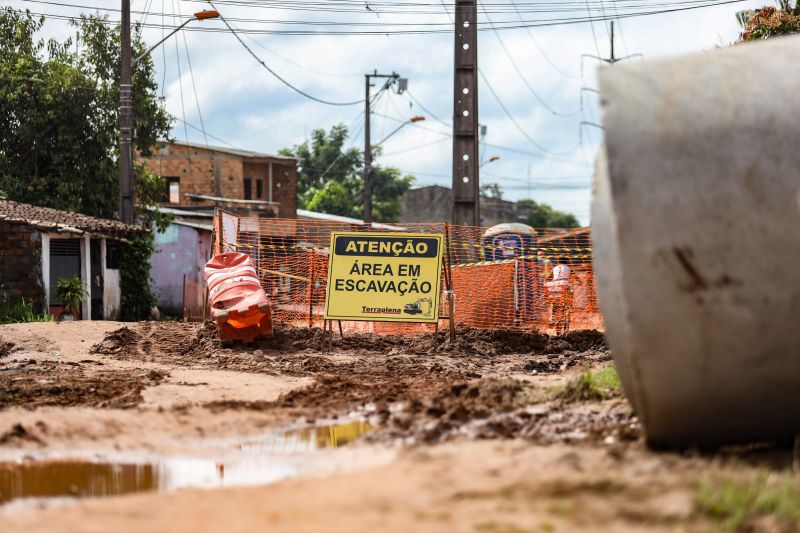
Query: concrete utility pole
{"type": "Point", "coordinates": [126, 187]}
{"type": "Point", "coordinates": [390, 79]}
{"type": "Point", "coordinates": [466, 179]}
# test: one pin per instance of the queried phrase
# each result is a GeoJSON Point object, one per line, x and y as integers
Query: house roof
{"type": "Point", "coordinates": [233, 151]}
{"type": "Point", "coordinates": [313, 215]}
{"type": "Point", "coordinates": [56, 220]}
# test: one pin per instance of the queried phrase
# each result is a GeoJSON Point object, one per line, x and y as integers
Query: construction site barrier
{"type": "Point", "coordinates": [495, 283]}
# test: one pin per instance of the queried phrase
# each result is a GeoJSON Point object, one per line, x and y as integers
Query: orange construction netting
{"type": "Point", "coordinates": [496, 279]}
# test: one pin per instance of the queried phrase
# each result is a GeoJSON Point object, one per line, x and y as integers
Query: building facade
{"type": "Point", "coordinates": [435, 204]}
{"type": "Point", "coordinates": [200, 176]}
{"type": "Point", "coordinates": [39, 245]}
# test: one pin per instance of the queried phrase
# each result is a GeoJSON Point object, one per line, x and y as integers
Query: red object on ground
{"type": "Point", "coordinates": [238, 303]}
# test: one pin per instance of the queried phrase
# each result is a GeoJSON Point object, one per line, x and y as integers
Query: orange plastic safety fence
{"type": "Point", "coordinates": [499, 278]}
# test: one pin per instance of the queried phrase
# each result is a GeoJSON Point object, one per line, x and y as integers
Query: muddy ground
{"type": "Point", "coordinates": [473, 436]}
{"type": "Point", "coordinates": [436, 387]}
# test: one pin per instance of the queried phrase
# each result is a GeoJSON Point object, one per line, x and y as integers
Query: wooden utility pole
{"type": "Point", "coordinates": [466, 180]}
{"type": "Point", "coordinates": [126, 183]}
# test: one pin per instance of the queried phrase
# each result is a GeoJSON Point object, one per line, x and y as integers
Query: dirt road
{"type": "Point", "coordinates": [492, 434]}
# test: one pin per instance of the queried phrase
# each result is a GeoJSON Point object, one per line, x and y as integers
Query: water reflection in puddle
{"type": "Point", "coordinates": [308, 439]}
{"type": "Point", "coordinates": [256, 462]}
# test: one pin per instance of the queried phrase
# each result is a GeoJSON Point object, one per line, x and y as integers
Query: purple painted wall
{"type": "Point", "coordinates": [180, 250]}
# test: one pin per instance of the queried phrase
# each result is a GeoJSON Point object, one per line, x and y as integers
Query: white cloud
{"type": "Point", "coordinates": [245, 105]}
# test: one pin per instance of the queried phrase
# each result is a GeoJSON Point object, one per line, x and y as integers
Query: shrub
{"type": "Point", "coordinates": [22, 311]}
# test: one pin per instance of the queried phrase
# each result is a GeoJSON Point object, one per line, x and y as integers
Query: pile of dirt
{"type": "Point", "coordinates": [492, 408]}
{"type": "Point", "coordinates": [119, 340]}
{"type": "Point", "coordinates": [5, 347]}
{"type": "Point", "coordinates": [19, 434]}
{"type": "Point", "coordinates": [298, 351]}
{"type": "Point", "coordinates": [33, 384]}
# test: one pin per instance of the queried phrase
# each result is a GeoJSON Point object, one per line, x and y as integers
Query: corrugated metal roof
{"type": "Point", "coordinates": [313, 215]}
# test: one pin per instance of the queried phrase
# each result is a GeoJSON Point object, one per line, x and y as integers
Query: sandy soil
{"type": "Point", "coordinates": [471, 437]}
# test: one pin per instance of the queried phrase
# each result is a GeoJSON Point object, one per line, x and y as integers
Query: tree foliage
{"type": "Point", "coordinates": [59, 131]}
{"type": "Point", "coordinates": [492, 190]}
{"type": "Point", "coordinates": [59, 114]}
{"type": "Point", "coordinates": [544, 216]}
{"type": "Point", "coordinates": [330, 177]}
{"type": "Point", "coordinates": [771, 22]}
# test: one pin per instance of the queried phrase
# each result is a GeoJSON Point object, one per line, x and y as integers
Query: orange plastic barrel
{"type": "Point", "coordinates": [238, 303]}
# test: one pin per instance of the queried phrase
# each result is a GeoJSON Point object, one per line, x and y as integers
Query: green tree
{"type": "Point", "coordinates": [544, 216]}
{"type": "Point", "coordinates": [330, 177]}
{"type": "Point", "coordinates": [59, 131]}
{"type": "Point", "coordinates": [59, 119]}
{"type": "Point", "coordinates": [492, 190]}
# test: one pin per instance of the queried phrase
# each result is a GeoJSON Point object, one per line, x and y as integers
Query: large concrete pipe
{"type": "Point", "coordinates": [696, 236]}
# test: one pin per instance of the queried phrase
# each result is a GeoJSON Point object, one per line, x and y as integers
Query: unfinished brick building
{"type": "Point", "coordinates": [204, 176]}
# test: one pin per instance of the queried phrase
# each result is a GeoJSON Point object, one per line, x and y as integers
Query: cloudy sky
{"type": "Point", "coordinates": [537, 73]}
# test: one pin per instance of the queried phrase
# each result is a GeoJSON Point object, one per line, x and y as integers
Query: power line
{"type": "Point", "coordinates": [522, 76]}
{"type": "Point", "coordinates": [180, 79]}
{"type": "Point", "coordinates": [303, 67]}
{"type": "Point", "coordinates": [591, 25]}
{"type": "Point", "coordinates": [496, 146]}
{"type": "Point", "coordinates": [426, 110]}
{"type": "Point", "coordinates": [414, 148]}
{"type": "Point", "coordinates": [191, 76]}
{"type": "Point", "coordinates": [420, 28]}
{"type": "Point", "coordinates": [204, 132]}
{"type": "Point", "coordinates": [539, 48]}
{"type": "Point", "coordinates": [285, 82]}
{"type": "Point", "coordinates": [514, 121]}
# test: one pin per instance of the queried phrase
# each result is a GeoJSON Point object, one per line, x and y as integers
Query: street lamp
{"type": "Point", "coordinates": [200, 15]}
{"type": "Point", "coordinates": [491, 160]}
{"type": "Point", "coordinates": [412, 120]}
{"type": "Point", "coordinates": [126, 178]}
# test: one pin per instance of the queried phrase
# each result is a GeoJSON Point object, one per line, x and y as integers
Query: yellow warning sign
{"type": "Point", "coordinates": [384, 277]}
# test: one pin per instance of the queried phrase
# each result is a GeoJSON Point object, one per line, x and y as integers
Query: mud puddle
{"type": "Point", "coordinates": [256, 461]}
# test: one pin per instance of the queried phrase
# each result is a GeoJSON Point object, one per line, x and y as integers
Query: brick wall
{"type": "Point", "coordinates": [284, 189]}
{"type": "Point", "coordinates": [197, 169]}
{"type": "Point", "coordinates": [21, 264]}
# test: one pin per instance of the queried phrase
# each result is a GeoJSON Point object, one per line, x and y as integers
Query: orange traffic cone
{"type": "Point", "coordinates": [239, 305]}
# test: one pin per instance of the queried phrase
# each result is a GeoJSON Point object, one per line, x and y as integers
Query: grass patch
{"type": "Point", "coordinates": [22, 311]}
{"type": "Point", "coordinates": [592, 385]}
{"type": "Point", "coordinates": [739, 503]}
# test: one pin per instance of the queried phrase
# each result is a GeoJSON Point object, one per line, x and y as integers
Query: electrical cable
{"type": "Point", "coordinates": [191, 76]}
{"type": "Point", "coordinates": [540, 49]}
{"type": "Point", "coordinates": [655, 9]}
{"type": "Point", "coordinates": [522, 76]}
{"type": "Point", "coordinates": [223, 141]}
{"type": "Point", "coordinates": [284, 81]}
{"type": "Point", "coordinates": [426, 110]}
{"type": "Point", "coordinates": [302, 67]}
{"type": "Point", "coordinates": [514, 121]}
{"type": "Point", "coordinates": [591, 25]}
{"type": "Point", "coordinates": [497, 146]}
{"type": "Point", "coordinates": [180, 80]}
{"type": "Point", "coordinates": [414, 148]}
